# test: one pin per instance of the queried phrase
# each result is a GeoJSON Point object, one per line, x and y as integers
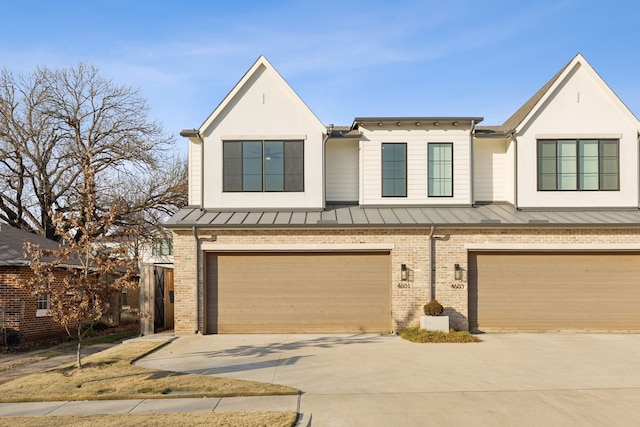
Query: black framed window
{"type": "Point", "coordinates": [440, 169]}
{"type": "Point", "coordinates": [578, 165]}
{"type": "Point", "coordinates": [269, 166]}
{"type": "Point", "coordinates": [394, 169]}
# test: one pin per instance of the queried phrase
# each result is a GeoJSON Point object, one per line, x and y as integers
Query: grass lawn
{"type": "Point", "coordinates": [416, 334]}
{"type": "Point", "coordinates": [110, 375]}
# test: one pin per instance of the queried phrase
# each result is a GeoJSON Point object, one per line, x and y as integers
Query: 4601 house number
{"type": "Point", "coordinates": [404, 285]}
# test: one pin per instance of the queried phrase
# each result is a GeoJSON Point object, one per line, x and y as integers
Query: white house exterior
{"type": "Point", "coordinates": [297, 227]}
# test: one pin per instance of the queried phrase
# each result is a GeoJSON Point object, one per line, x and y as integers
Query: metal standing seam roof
{"type": "Point", "coordinates": [492, 215]}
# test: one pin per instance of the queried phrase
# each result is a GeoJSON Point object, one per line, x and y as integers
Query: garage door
{"type": "Point", "coordinates": [554, 291]}
{"type": "Point", "coordinates": [298, 292]}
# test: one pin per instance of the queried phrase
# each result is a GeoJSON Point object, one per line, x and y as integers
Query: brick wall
{"type": "Point", "coordinates": [411, 247]}
{"type": "Point", "coordinates": [20, 321]}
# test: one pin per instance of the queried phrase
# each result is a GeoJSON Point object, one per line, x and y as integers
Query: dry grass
{"type": "Point", "coordinates": [216, 419]}
{"type": "Point", "coordinates": [110, 375]}
{"type": "Point", "coordinates": [415, 334]}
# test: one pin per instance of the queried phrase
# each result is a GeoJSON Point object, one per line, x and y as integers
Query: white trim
{"type": "Point", "coordinates": [43, 313]}
{"type": "Point", "coordinates": [263, 137]}
{"type": "Point", "coordinates": [579, 136]}
{"type": "Point", "coordinates": [302, 247]}
{"type": "Point", "coordinates": [565, 247]}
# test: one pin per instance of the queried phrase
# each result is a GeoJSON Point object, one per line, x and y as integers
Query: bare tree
{"type": "Point", "coordinates": [87, 270]}
{"type": "Point", "coordinates": [55, 124]}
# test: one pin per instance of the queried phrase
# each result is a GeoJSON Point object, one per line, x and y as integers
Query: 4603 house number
{"type": "Point", "coordinates": [404, 285]}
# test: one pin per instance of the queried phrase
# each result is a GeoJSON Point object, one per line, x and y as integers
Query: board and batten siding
{"type": "Point", "coordinates": [341, 170]}
{"type": "Point", "coordinates": [490, 177]}
{"type": "Point", "coordinates": [417, 165]}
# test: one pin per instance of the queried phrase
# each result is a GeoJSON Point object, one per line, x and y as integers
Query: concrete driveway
{"type": "Point", "coordinates": [382, 380]}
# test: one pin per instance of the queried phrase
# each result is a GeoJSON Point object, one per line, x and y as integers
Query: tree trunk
{"type": "Point", "coordinates": [78, 358]}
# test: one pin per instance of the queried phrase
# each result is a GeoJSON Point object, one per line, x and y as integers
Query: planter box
{"type": "Point", "coordinates": [435, 323]}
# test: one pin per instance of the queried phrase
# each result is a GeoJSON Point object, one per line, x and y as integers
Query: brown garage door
{"type": "Point", "coordinates": [298, 292]}
{"type": "Point", "coordinates": [554, 291]}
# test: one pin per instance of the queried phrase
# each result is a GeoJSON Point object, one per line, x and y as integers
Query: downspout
{"type": "Point", "coordinates": [197, 135]}
{"type": "Point", "coordinates": [194, 133]}
{"type": "Point", "coordinates": [472, 168]}
{"type": "Point", "coordinates": [432, 284]}
{"type": "Point", "coordinates": [324, 168]}
{"type": "Point", "coordinates": [515, 168]}
{"type": "Point", "coordinates": [195, 236]}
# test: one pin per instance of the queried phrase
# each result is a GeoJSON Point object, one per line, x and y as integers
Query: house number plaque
{"type": "Point", "coordinates": [404, 285]}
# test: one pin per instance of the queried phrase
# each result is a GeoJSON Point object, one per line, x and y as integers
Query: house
{"type": "Point", "coordinates": [24, 317]}
{"type": "Point", "coordinates": [296, 227]}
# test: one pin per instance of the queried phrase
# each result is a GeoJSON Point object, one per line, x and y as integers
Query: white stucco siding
{"type": "Point", "coordinates": [417, 165]}
{"type": "Point", "coordinates": [490, 170]}
{"type": "Point", "coordinates": [265, 108]}
{"type": "Point", "coordinates": [581, 107]}
{"type": "Point", "coordinates": [341, 170]}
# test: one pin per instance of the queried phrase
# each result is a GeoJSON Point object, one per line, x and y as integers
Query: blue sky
{"type": "Point", "coordinates": [344, 58]}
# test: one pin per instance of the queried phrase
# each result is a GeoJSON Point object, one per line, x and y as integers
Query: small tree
{"type": "Point", "coordinates": [87, 269]}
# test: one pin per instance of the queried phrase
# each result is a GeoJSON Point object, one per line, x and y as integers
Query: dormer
{"type": "Point", "coordinates": [415, 160]}
{"type": "Point", "coordinates": [262, 147]}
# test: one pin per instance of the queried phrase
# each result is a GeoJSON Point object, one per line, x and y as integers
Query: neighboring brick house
{"type": "Point", "coordinates": [24, 317]}
{"type": "Point", "coordinates": [294, 226]}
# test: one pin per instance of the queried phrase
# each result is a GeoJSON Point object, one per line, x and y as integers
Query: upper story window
{"type": "Point", "coordinates": [440, 169]}
{"type": "Point", "coordinates": [578, 164]}
{"type": "Point", "coordinates": [394, 170]}
{"type": "Point", "coordinates": [254, 166]}
{"type": "Point", "coordinates": [162, 247]}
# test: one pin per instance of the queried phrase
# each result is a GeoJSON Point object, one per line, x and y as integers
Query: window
{"type": "Point", "coordinates": [162, 247]}
{"type": "Point", "coordinates": [440, 169]}
{"type": "Point", "coordinates": [578, 164]}
{"type": "Point", "coordinates": [125, 298]}
{"type": "Point", "coordinates": [255, 166]}
{"type": "Point", "coordinates": [43, 303]}
{"type": "Point", "coordinates": [394, 170]}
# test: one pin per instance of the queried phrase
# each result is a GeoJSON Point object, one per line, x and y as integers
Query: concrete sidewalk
{"type": "Point", "coordinates": [147, 406]}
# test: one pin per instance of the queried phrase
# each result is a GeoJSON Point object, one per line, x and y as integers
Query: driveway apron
{"type": "Point", "coordinates": [383, 380]}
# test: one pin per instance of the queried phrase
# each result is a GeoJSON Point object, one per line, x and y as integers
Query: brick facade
{"type": "Point", "coordinates": [20, 321]}
{"type": "Point", "coordinates": [411, 247]}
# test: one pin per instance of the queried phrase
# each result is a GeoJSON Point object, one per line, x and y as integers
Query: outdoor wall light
{"type": "Point", "coordinates": [458, 272]}
{"type": "Point", "coordinates": [404, 272]}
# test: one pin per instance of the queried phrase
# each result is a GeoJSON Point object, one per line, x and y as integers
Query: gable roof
{"type": "Point", "coordinates": [12, 245]}
{"type": "Point", "coordinates": [517, 119]}
{"type": "Point", "coordinates": [261, 62]}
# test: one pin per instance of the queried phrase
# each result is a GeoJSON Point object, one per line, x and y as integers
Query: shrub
{"type": "Point", "coordinates": [433, 308]}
